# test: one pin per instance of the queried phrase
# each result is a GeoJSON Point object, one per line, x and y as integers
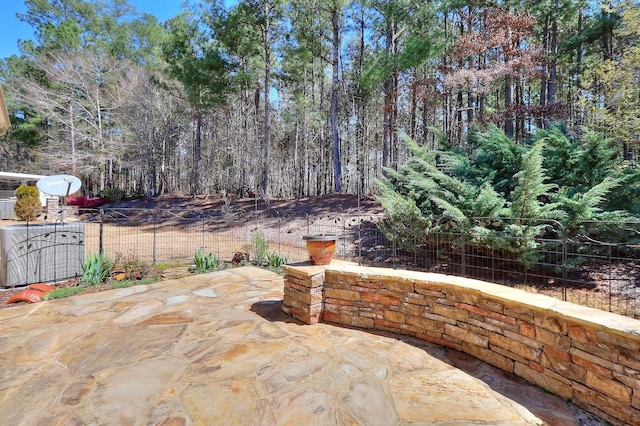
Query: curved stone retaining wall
{"type": "Point", "coordinates": [586, 355]}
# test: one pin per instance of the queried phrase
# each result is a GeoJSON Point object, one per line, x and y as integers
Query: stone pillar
{"type": "Point", "coordinates": [303, 287]}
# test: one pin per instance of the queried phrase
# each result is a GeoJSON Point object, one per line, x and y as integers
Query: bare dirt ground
{"type": "Point", "coordinates": [313, 206]}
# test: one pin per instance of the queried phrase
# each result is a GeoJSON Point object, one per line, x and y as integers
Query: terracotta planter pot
{"type": "Point", "coordinates": [320, 248]}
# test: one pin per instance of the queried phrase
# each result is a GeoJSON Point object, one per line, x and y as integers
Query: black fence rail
{"type": "Point", "coordinates": [595, 264]}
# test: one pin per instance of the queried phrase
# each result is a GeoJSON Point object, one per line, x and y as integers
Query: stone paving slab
{"type": "Point", "coordinates": [216, 349]}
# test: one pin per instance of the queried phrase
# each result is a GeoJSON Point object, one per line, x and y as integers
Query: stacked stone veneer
{"type": "Point", "coordinates": [589, 356]}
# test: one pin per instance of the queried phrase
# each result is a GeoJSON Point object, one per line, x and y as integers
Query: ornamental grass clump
{"type": "Point", "coordinates": [206, 263]}
{"type": "Point", "coordinates": [96, 269]}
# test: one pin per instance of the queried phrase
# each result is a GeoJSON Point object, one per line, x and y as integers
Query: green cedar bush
{"type": "Point", "coordinates": [553, 178]}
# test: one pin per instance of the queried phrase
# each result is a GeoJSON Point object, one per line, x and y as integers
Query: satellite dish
{"type": "Point", "coordinates": [60, 185]}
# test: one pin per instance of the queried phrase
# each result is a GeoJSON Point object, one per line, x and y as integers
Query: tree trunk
{"type": "Point", "coordinates": [163, 165]}
{"type": "Point", "coordinates": [472, 65]}
{"type": "Point", "coordinates": [99, 135]}
{"type": "Point", "coordinates": [509, 128]}
{"type": "Point", "coordinates": [244, 110]}
{"type": "Point", "coordinates": [519, 118]}
{"type": "Point", "coordinates": [394, 113]}
{"type": "Point", "coordinates": [579, 48]}
{"type": "Point", "coordinates": [267, 102]}
{"type": "Point", "coordinates": [387, 87]}
{"type": "Point", "coordinates": [197, 154]}
{"type": "Point", "coordinates": [554, 58]}
{"type": "Point", "coordinates": [147, 183]}
{"type": "Point", "coordinates": [544, 80]}
{"type": "Point", "coordinates": [335, 138]}
{"type": "Point", "coordinates": [414, 105]}
{"type": "Point", "coordinates": [72, 139]}
{"type": "Point", "coordinates": [425, 120]}
{"type": "Point", "coordinates": [459, 115]}
{"type": "Point", "coordinates": [361, 148]}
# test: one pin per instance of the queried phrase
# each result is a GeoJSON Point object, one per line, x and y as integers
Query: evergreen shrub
{"type": "Point", "coordinates": [112, 195]}
{"type": "Point", "coordinates": [502, 196]}
{"type": "Point", "coordinates": [27, 203]}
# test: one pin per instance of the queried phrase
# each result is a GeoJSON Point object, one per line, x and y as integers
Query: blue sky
{"type": "Point", "coordinates": [12, 29]}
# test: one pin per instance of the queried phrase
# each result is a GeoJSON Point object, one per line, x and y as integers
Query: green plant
{"type": "Point", "coordinates": [130, 283]}
{"type": "Point", "coordinates": [550, 180]}
{"type": "Point", "coordinates": [27, 203]}
{"type": "Point", "coordinates": [130, 267]}
{"type": "Point", "coordinates": [275, 260]}
{"type": "Point", "coordinates": [63, 292]}
{"type": "Point", "coordinates": [114, 195]}
{"type": "Point", "coordinates": [163, 266]}
{"type": "Point", "coordinates": [96, 269]}
{"type": "Point", "coordinates": [260, 245]}
{"type": "Point", "coordinates": [206, 263]}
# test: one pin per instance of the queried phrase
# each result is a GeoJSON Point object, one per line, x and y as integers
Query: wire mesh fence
{"type": "Point", "coordinates": [593, 263]}
{"type": "Point", "coordinates": [171, 236]}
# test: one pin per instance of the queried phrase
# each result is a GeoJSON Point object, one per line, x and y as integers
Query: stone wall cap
{"type": "Point", "coordinates": [307, 269]}
{"type": "Point", "coordinates": [618, 324]}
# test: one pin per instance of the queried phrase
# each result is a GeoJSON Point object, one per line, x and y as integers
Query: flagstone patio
{"type": "Point", "coordinates": [217, 349]}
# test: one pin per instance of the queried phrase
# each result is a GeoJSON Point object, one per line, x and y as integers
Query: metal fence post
{"type": "Point", "coordinates": [279, 234]}
{"type": "Point", "coordinates": [155, 232]}
{"type": "Point", "coordinates": [463, 248]}
{"type": "Point", "coordinates": [415, 251]}
{"type": "Point", "coordinates": [564, 263]}
{"type": "Point", "coordinates": [359, 249]}
{"type": "Point", "coordinates": [202, 233]}
{"type": "Point", "coordinates": [344, 237]}
{"type": "Point", "coordinates": [610, 278]}
{"type": "Point", "coordinates": [101, 232]}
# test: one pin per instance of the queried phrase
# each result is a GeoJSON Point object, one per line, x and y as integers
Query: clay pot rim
{"type": "Point", "coordinates": [320, 237]}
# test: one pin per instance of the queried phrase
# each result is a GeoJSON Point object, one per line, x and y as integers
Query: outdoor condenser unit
{"type": "Point", "coordinates": [40, 253]}
{"type": "Point", "coordinates": [6, 209]}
